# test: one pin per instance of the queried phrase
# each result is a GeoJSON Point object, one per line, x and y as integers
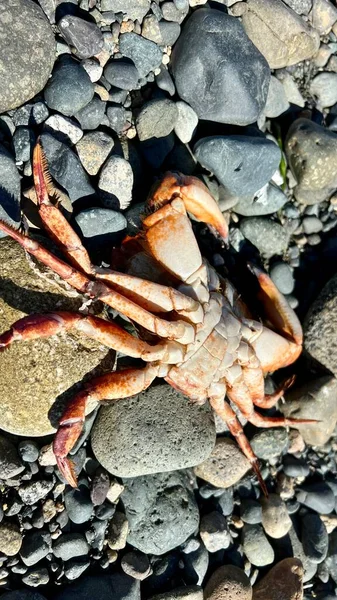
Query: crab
{"type": "Point", "coordinates": [196, 333]}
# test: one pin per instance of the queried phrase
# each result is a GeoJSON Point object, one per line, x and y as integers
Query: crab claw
{"type": "Point", "coordinates": [67, 469]}
{"type": "Point", "coordinates": [196, 197]}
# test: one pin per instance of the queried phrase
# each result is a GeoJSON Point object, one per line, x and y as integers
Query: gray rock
{"type": "Point", "coordinates": [186, 122]}
{"type": "Point", "coordinates": [122, 74]}
{"type": "Point", "coordinates": [270, 443]}
{"type": "Point", "coordinates": [251, 511]}
{"type": "Point", "coordinates": [156, 119]}
{"type": "Point", "coordinates": [63, 128]}
{"type": "Point", "coordinates": [23, 141]}
{"type": "Point", "coordinates": [266, 201]}
{"type": "Point", "coordinates": [277, 102]}
{"type": "Point", "coordinates": [196, 565]}
{"type": "Point", "coordinates": [118, 118]}
{"type": "Point", "coordinates": [91, 115]}
{"type": "Point", "coordinates": [301, 7]}
{"type": "Point", "coordinates": [10, 463]}
{"type": "Point", "coordinates": [226, 502]}
{"type": "Point", "coordinates": [117, 586]}
{"type": "Point", "coordinates": [136, 564]}
{"type": "Point", "coordinates": [65, 167]}
{"type": "Point", "coordinates": [275, 519]}
{"type": "Point", "coordinates": [30, 114]}
{"type": "Point", "coordinates": [239, 84]}
{"type": "Point", "coordinates": [32, 492]}
{"type": "Point", "coordinates": [28, 450]}
{"type": "Point", "coordinates": [10, 189]}
{"type": "Point", "coordinates": [69, 545]}
{"type": "Point", "coordinates": [133, 9]}
{"type": "Point", "coordinates": [256, 546]}
{"type": "Point", "coordinates": [214, 532]}
{"type": "Point", "coordinates": [134, 217]}
{"type": "Point", "coordinates": [324, 89]}
{"type": "Point", "coordinates": [78, 504]}
{"type": "Point", "coordinates": [93, 149]}
{"type": "Point", "coordinates": [282, 275]}
{"type": "Point", "coordinates": [86, 37]}
{"type": "Point", "coordinates": [150, 438]}
{"type": "Point", "coordinates": [36, 577]}
{"type": "Point", "coordinates": [116, 183]}
{"type": "Point", "coordinates": [165, 82]}
{"type": "Point", "coordinates": [171, 11]}
{"type": "Point", "coordinates": [310, 567]}
{"type": "Point", "coordinates": [161, 511]}
{"type": "Point", "coordinates": [295, 467]}
{"type": "Point", "coordinates": [100, 226]}
{"type": "Point", "coordinates": [146, 55]}
{"type": "Point", "coordinates": [242, 164]}
{"type": "Point", "coordinates": [268, 236]}
{"type": "Point", "coordinates": [311, 225]}
{"type": "Point", "coordinates": [27, 52]}
{"type": "Point", "coordinates": [35, 547]}
{"type": "Point", "coordinates": [169, 32]}
{"type": "Point", "coordinates": [69, 88]}
{"type": "Point", "coordinates": [318, 497]}
{"type": "Point", "coordinates": [225, 466]}
{"type": "Point", "coordinates": [74, 569]}
{"type": "Point", "coordinates": [315, 539]}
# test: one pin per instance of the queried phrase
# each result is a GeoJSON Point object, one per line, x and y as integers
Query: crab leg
{"type": "Point", "coordinates": [112, 386]}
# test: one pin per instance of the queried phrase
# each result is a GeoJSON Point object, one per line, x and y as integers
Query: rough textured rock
{"type": "Point", "coordinates": [10, 463]}
{"type": "Point", "coordinates": [27, 52]}
{"type": "Point", "coordinates": [225, 466]}
{"type": "Point", "coordinates": [284, 581]}
{"type": "Point", "coordinates": [293, 42]}
{"type": "Point", "coordinates": [311, 151]}
{"type": "Point", "coordinates": [230, 583]}
{"type": "Point", "coordinates": [93, 149]}
{"type": "Point", "coordinates": [239, 83]}
{"type": "Point", "coordinates": [156, 119]}
{"type": "Point", "coordinates": [161, 511]}
{"type": "Point", "coordinates": [38, 372]}
{"type": "Point", "coordinates": [268, 236]}
{"type": "Point", "coordinates": [157, 431]}
{"type": "Point", "coordinates": [270, 443]}
{"type": "Point", "coordinates": [10, 539]}
{"type": "Point", "coordinates": [116, 183]}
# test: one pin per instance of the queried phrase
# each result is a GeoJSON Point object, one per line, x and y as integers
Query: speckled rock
{"type": "Point", "coordinates": [116, 183]}
{"type": "Point", "coordinates": [10, 539]}
{"type": "Point", "coordinates": [93, 149]}
{"type": "Point", "coordinates": [228, 582]}
{"type": "Point", "coordinates": [268, 236]}
{"type": "Point", "coordinates": [40, 371]}
{"type": "Point", "coordinates": [275, 519]}
{"type": "Point", "coordinates": [284, 581]}
{"type": "Point", "coordinates": [10, 463]}
{"type": "Point", "coordinates": [27, 52]}
{"type": "Point", "coordinates": [225, 466]}
{"type": "Point", "coordinates": [270, 443]}
{"type": "Point", "coordinates": [140, 435]}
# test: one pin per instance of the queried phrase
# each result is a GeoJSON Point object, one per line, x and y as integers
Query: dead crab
{"type": "Point", "coordinates": [207, 345]}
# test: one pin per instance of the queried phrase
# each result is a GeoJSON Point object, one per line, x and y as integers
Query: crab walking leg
{"type": "Point", "coordinates": [175, 330]}
{"type": "Point", "coordinates": [254, 379]}
{"type": "Point", "coordinates": [112, 386]}
{"type": "Point", "coordinates": [104, 332]}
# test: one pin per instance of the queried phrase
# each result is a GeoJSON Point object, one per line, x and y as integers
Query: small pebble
{"type": "Point", "coordinates": [317, 496]}
{"type": "Point", "coordinates": [31, 493]}
{"type": "Point", "coordinates": [137, 565]}
{"type": "Point", "coordinates": [69, 545]}
{"type": "Point", "coordinates": [118, 531]}
{"type": "Point", "coordinates": [10, 539]}
{"type": "Point", "coordinates": [282, 275]}
{"type": "Point", "coordinates": [214, 532]}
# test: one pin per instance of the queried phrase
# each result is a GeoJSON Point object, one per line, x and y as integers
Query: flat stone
{"type": "Point", "coordinates": [69, 88]}
{"type": "Point", "coordinates": [156, 119]}
{"type": "Point", "coordinates": [69, 130]}
{"type": "Point", "coordinates": [100, 226]}
{"type": "Point", "coordinates": [139, 435]}
{"type": "Point", "coordinates": [93, 149]}
{"type": "Point", "coordinates": [186, 122]}
{"type": "Point", "coordinates": [228, 583]}
{"type": "Point", "coordinates": [86, 37]}
{"type": "Point", "coordinates": [146, 55]}
{"type": "Point", "coordinates": [239, 84]}
{"type": "Point", "coordinates": [10, 463]}
{"type": "Point", "coordinates": [10, 539]}
{"type": "Point", "coordinates": [27, 52]}
{"type": "Point", "coordinates": [268, 236]}
{"type": "Point", "coordinates": [116, 183]}
{"type": "Point", "coordinates": [225, 466]}
{"type": "Point", "coordinates": [284, 580]}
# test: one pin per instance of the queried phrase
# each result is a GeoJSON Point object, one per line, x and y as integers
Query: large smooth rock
{"type": "Point", "coordinates": [36, 373]}
{"type": "Point", "coordinates": [161, 511]}
{"type": "Point", "coordinates": [27, 52]}
{"type": "Point", "coordinates": [229, 81]}
{"type": "Point", "coordinates": [284, 581]}
{"type": "Point", "coordinates": [157, 431]}
{"type": "Point", "coordinates": [69, 89]}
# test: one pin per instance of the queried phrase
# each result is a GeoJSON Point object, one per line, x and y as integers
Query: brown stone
{"type": "Point", "coordinates": [228, 583]}
{"type": "Point", "coordinates": [283, 582]}
{"type": "Point", "coordinates": [10, 539]}
{"type": "Point", "coordinates": [225, 466]}
{"type": "Point", "coordinates": [275, 519]}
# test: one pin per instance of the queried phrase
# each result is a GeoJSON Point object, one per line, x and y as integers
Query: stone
{"type": "Point", "coordinates": [161, 511]}
{"type": "Point", "coordinates": [314, 537]}
{"type": "Point", "coordinates": [317, 496]}
{"type": "Point", "coordinates": [242, 164]}
{"type": "Point", "coordinates": [69, 88]}
{"type": "Point", "coordinates": [10, 539]}
{"type": "Point", "coordinates": [78, 504]}
{"type": "Point", "coordinates": [85, 37]}
{"type": "Point", "coordinates": [137, 565]}
{"type": "Point", "coordinates": [27, 52]}
{"type": "Point", "coordinates": [284, 581]}
{"type": "Point", "coordinates": [122, 74]}
{"type": "Point", "coordinates": [214, 532]}
{"type": "Point", "coordinates": [105, 587]}
{"type": "Point", "coordinates": [118, 119]}
{"type": "Point", "coordinates": [282, 275]}
{"type": "Point", "coordinates": [225, 466]}
{"type": "Point", "coordinates": [28, 450]}
{"type": "Point", "coordinates": [69, 545]}
{"type": "Point", "coordinates": [324, 15]}
{"type": "Point", "coordinates": [101, 226]}
{"type": "Point", "coordinates": [93, 149]}
{"type": "Point", "coordinates": [270, 443]}
{"type": "Point", "coordinates": [187, 592]}
{"type": "Point", "coordinates": [268, 236]}
{"type": "Point", "coordinates": [68, 129]}
{"type": "Point", "coordinates": [118, 531]}
{"type": "Point", "coordinates": [157, 431]}
{"type": "Point", "coordinates": [93, 68]}
{"type": "Point", "coordinates": [35, 547]}
{"type": "Point", "coordinates": [315, 399]}
{"type": "Point", "coordinates": [250, 511]}
{"type": "Point", "coordinates": [10, 189]}
{"type": "Point", "coordinates": [169, 32]}
{"type": "Point", "coordinates": [23, 142]}
{"type": "Point", "coordinates": [239, 84]}
{"type": "Point", "coordinates": [256, 546]}
{"type": "Point", "coordinates": [295, 467]}
{"type": "Point", "coordinates": [156, 119]}
{"type": "Point", "coordinates": [116, 183]}
{"type": "Point", "coordinates": [36, 577]}
{"type": "Point", "coordinates": [10, 463]}
{"type": "Point", "coordinates": [186, 122]}
{"type": "Point", "coordinates": [91, 115]}
{"type": "Point", "coordinates": [301, 7]}
{"type": "Point", "coordinates": [291, 44]}
{"type": "Point", "coordinates": [196, 565]}
{"type": "Point", "coordinates": [311, 225]}
{"type": "Point", "coordinates": [331, 560]}
{"type": "Point", "coordinates": [266, 201]}
{"type": "Point", "coordinates": [74, 569]}
{"type": "Point", "coordinates": [324, 89]}
{"type": "Point", "coordinates": [165, 82]}
{"type": "Point", "coordinates": [311, 152]}
{"type": "Point", "coordinates": [37, 372]}
{"type": "Point", "coordinates": [32, 492]}
{"type": "Point", "coordinates": [132, 9]}
{"type": "Point", "coordinates": [146, 55]}
{"type": "Point", "coordinates": [230, 582]}
{"type": "Point", "coordinates": [290, 86]}
{"type": "Point", "coordinates": [277, 102]}
{"type": "Point", "coordinates": [171, 11]}
{"type": "Point", "coordinates": [275, 519]}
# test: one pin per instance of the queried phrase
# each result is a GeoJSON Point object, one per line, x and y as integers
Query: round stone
{"type": "Point", "coordinates": [256, 546]}
{"type": "Point", "coordinates": [275, 519]}
{"type": "Point", "coordinates": [270, 443]}
{"type": "Point", "coordinates": [282, 276]}
{"type": "Point", "coordinates": [157, 431]}
{"type": "Point", "coordinates": [69, 88]}
{"type": "Point", "coordinates": [122, 74]}
{"type": "Point", "coordinates": [10, 539]}
{"type": "Point", "coordinates": [27, 52]}
{"type": "Point", "coordinates": [268, 236]}
{"type": "Point", "coordinates": [266, 201]}
{"type": "Point", "coordinates": [228, 583]}
{"type": "Point", "coordinates": [284, 580]}
{"type": "Point", "coordinates": [225, 466]}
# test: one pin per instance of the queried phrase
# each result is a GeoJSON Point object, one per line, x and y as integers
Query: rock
{"type": "Point", "coordinates": [22, 595]}
{"type": "Point", "coordinates": [27, 52]}
{"type": "Point", "coordinates": [277, 102]}
{"type": "Point", "coordinates": [122, 74]}
{"type": "Point", "coordinates": [169, 32]}
{"type": "Point", "coordinates": [23, 141]}
{"type": "Point", "coordinates": [78, 504]}
{"type": "Point", "coordinates": [187, 592]}
{"type": "Point", "coordinates": [318, 497]}
{"type": "Point", "coordinates": [270, 443]}
{"type": "Point", "coordinates": [314, 400]}
{"type": "Point", "coordinates": [186, 122]}
{"type": "Point", "coordinates": [74, 569]}
{"type": "Point", "coordinates": [225, 466]}
{"type": "Point", "coordinates": [68, 129]}
{"type": "Point", "coordinates": [136, 564]}
{"type": "Point", "coordinates": [31, 114]}
{"type": "Point", "coordinates": [165, 82]}
{"type": "Point", "coordinates": [116, 183]}
{"type": "Point", "coordinates": [295, 467]}
{"type": "Point", "coordinates": [117, 586]}
{"type": "Point", "coordinates": [114, 491]}
{"type": "Point", "coordinates": [118, 531]}
{"type": "Point", "coordinates": [242, 164]}
{"type": "Point", "coordinates": [275, 519]}
{"type": "Point", "coordinates": [100, 226]}
{"type": "Point", "coordinates": [146, 55]}
{"type": "Point", "coordinates": [86, 37]}
{"type": "Point", "coordinates": [284, 581]}
{"type": "Point", "coordinates": [93, 149]}
{"type": "Point", "coordinates": [295, 42]}
{"type": "Point", "coordinates": [292, 92]}
{"type": "Point", "coordinates": [282, 275]}
{"type": "Point", "coordinates": [10, 188]}
{"type": "Point", "coordinates": [118, 119]}
{"type": "Point", "coordinates": [156, 119]}
{"type": "Point", "coordinates": [256, 546]}
{"type": "Point", "coordinates": [239, 84]}
{"type": "Point", "coordinates": [324, 15]}
{"type": "Point", "coordinates": [36, 577]}
{"type": "Point", "coordinates": [35, 547]}
{"type": "Point", "coordinates": [314, 538]}
{"type": "Point", "coordinates": [10, 539]}
{"type": "Point", "coordinates": [161, 511]}
{"type": "Point", "coordinates": [311, 152]}
{"type": "Point", "coordinates": [28, 450]}
{"type": "Point", "coordinates": [228, 582]}
{"type": "Point", "coordinates": [268, 236]}
{"type": "Point", "coordinates": [196, 565]}
{"type": "Point", "coordinates": [66, 168]}
{"type": "Point", "coordinates": [32, 492]}
{"type": "Point", "coordinates": [157, 438]}
{"type": "Point", "coordinates": [69, 88]}
{"type": "Point", "coordinates": [324, 89]}
{"type": "Point", "coordinates": [171, 11]}
{"type": "Point", "coordinates": [250, 511]}
{"type": "Point", "coordinates": [69, 545]}
{"type": "Point", "coordinates": [10, 463]}
{"type": "Point", "coordinates": [311, 225]}
{"type": "Point", "coordinates": [331, 560]}
{"type": "Point", "coordinates": [91, 115]}
{"type": "Point", "coordinates": [266, 201]}
{"type": "Point", "coordinates": [93, 68]}
{"type": "Point", "coordinates": [40, 370]}
{"type": "Point", "coordinates": [132, 9]}
{"type": "Point", "coordinates": [214, 532]}
{"type": "Point", "coordinates": [301, 7]}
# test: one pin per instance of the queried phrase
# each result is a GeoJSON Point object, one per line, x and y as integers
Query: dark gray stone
{"type": "Point", "coordinates": [157, 431]}
{"type": "Point", "coordinates": [315, 539]}
{"type": "Point", "coordinates": [106, 587]}
{"type": "Point", "coordinates": [69, 88]}
{"type": "Point", "coordinates": [156, 119]}
{"type": "Point", "coordinates": [270, 443]}
{"type": "Point", "coordinates": [10, 463]}
{"type": "Point", "coordinates": [266, 201]}
{"type": "Point", "coordinates": [156, 150]}
{"type": "Point", "coordinates": [27, 52]}
{"type": "Point", "coordinates": [161, 511]}
{"type": "Point", "coordinates": [23, 141]}
{"type": "Point", "coordinates": [136, 564]}
{"type": "Point", "coordinates": [318, 497]}
{"type": "Point", "coordinates": [91, 115]}
{"type": "Point", "coordinates": [78, 504]}
{"type": "Point", "coordinates": [251, 511]}
{"type": "Point", "coordinates": [242, 164]}
{"type": "Point", "coordinates": [229, 81]}
{"type": "Point", "coordinates": [100, 225]}
{"type": "Point", "coordinates": [295, 467]}
{"type": "Point", "coordinates": [282, 275]}
{"type": "Point", "coordinates": [268, 236]}
{"type": "Point", "coordinates": [86, 37]}
{"type": "Point", "coordinates": [95, 535]}
{"type": "Point", "coordinates": [69, 545]}
{"type": "Point", "coordinates": [196, 565]}
{"type": "Point", "coordinates": [146, 55]}
{"type": "Point", "coordinates": [31, 114]}
{"type": "Point", "coordinates": [35, 547]}
{"type": "Point", "coordinates": [122, 74]}
{"type": "Point", "coordinates": [65, 167]}
{"type": "Point", "coordinates": [10, 189]}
